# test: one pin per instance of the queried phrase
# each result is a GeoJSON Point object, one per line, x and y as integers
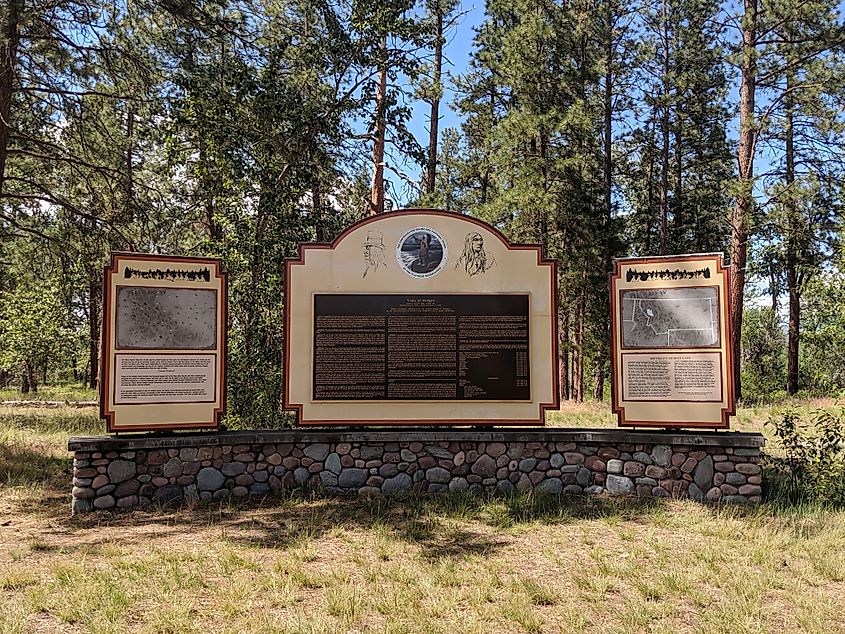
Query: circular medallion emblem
{"type": "Point", "coordinates": [421, 252]}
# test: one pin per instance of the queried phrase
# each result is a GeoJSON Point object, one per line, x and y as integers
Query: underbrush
{"type": "Point", "coordinates": [811, 467]}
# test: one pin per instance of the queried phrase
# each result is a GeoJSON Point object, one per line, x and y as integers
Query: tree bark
{"type": "Point", "coordinates": [603, 348]}
{"type": "Point", "coordinates": [434, 118]}
{"type": "Point", "coordinates": [30, 376]}
{"type": "Point", "coordinates": [130, 175]}
{"type": "Point", "coordinates": [664, 150]}
{"type": "Point", "coordinates": [744, 202]}
{"type": "Point", "coordinates": [677, 203]}
{"type": "Point", "coordinates": [9, 39]}
{"type": "Point", "coordinates": [377, 192]}
{"type": "Point", "coordinates": [793, 227]}
{"type": "Point", "coordinates": [578, 357]}
{"type": "Point", "coordinates": [650, 193]}
{"type": "Point", "coordinates": [564, 354]}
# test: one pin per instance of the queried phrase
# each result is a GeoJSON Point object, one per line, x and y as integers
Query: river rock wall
{"type": "Point", "coordinates": [135, 471]}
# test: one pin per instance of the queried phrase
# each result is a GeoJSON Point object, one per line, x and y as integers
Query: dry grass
{"type": "Point", "coordinates": [441, 564]}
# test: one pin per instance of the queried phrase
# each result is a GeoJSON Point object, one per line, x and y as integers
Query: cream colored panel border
{"type": "Point", "coordinates": [208, 357]}
{"type": "Point", "coordinates": [343, 267]}
{"type": "Point", "coordinates": [688, 380]}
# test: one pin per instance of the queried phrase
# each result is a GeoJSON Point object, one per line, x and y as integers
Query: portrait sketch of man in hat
{"type": "Point", "coordinates": [373, 252]}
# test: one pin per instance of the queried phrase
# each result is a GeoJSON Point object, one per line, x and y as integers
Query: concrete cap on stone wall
{"type": "Point", "coordinates": [126, 442]}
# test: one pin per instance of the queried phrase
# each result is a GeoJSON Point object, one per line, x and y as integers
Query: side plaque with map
{"type": "Point", "coordinates": [421, 317]}
{"type": "Point", "coordinates": [164, 343]}
{"type": "Point", "coordinates": [671, 346]}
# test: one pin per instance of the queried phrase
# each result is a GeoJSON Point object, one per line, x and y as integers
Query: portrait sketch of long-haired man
{"type": "Point", "coordinates": [475, 259]}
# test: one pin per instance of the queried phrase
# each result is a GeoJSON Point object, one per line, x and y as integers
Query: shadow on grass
{"type": "Point", "coordinates": [25, 465]}
{"type": "Point", "coordinates": [443, 525]}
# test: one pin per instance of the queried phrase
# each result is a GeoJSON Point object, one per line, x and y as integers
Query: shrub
{"type": "Point", "coordinates": [812, 467]}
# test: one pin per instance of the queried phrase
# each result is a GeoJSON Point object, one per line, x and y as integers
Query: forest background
{"type": "Point", "coordinates": [598, 128]}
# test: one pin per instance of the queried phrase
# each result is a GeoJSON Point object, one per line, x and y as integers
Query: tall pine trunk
{"type": "Point", "coordinates": [793, 227]}
{"type": "Point", "coordinates": [377, 192]}
{"type": "Point", "coordinates": [9, 38]}
{"type": "Point", "coordinates": [434, 117]}
{"type": "Point", "coordinates": [651, 167]}
{"type": "Point", "coordinates": [31, 381]}
{"type": "Point", "coordinates": [578, 353]}
{"type": "Point", "coordinates": [677, 202]}
{"type": "Point", "coordinates": [743, 205]}
{"type": "Point", "coordinates": [93, 329]}
{"type": "Point", "coordinates": [664, 148]}
{"type": "Point", "coordinates": [130, 166]}
{"type": "Point", "coordinates": [564, 353]}
{"type": "Point", "coordinates": [607, 160]}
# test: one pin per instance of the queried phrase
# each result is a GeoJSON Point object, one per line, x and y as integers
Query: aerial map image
{"type": "Point", "coordinates": [671, 318]}
{"type": "Point", "coordinates": [166, 318]}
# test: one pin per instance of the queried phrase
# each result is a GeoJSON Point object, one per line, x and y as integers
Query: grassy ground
{"type": "Point", "coordinates": [70, 392]}
{"type": "Point", "coordinates": [441, 564]}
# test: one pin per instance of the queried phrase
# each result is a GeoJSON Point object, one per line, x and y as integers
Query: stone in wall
{"type": "Point", "coordinates": [143, 476]}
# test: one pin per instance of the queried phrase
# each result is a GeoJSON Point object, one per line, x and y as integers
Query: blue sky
{"type": "Point", "coordinates": [457, 56]}
{"type": "Point", "coordinates": [456, 60]}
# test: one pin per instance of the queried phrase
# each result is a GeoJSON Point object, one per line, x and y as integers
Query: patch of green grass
{"type": "Point", "coordinates": [17, 579]}
{"type": "Point", "coordinates": [522, 614]}
{"type": "Point", "coordinates": [538, 593]}
{"type": "Point", "coordinates": [72, 392]}
{"type": "Point", "coordinates": [586, 414]}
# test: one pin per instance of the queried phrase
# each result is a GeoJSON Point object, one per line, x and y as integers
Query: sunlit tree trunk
{"type": "Point", "coordinates": [744, 202]}
{"type": "Point", "coordinates": [377, 192]}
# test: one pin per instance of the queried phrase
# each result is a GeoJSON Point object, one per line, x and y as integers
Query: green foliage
{"type": "Point", "coordinates": [823, 334]}
{"type": "Point", "coordinates": [812, 468]}
{"type": "Point", "coordinates": [239, 129]}
{"type": "Point", "coordinates": [763, 354]}
{"type": "Point", "coordinates": [680, 148]}
{"type": "Point", "coordinates": [33, 330]}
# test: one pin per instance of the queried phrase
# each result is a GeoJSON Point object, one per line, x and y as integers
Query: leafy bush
{"type": "Point", "coordinates": [763, 373]}
{"type": "Point", "coordinates": [812, 467]}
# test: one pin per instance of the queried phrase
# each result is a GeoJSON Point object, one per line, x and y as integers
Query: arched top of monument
{"type": "Point", "coordinates": [430, 212]}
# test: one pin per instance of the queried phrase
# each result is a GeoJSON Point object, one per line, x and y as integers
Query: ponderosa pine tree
{"type": "Point", "coordinates": [532, 131]}
{"type": "Point", "coordinates": [801, 76]}
{"type": "Point", "coordinates": [678, 175]}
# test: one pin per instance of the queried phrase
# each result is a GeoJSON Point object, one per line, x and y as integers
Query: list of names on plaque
{"type": "Point", "coordinates": [421, 347]}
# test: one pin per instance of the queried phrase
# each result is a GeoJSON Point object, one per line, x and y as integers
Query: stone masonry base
{"type": "Point", "coordinates": [127, 471]}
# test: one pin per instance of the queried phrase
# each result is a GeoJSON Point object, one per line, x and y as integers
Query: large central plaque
{"type": "Point", "coordinates": [420, 317]}
{"type": "Point", "coordinates": [421, 347]}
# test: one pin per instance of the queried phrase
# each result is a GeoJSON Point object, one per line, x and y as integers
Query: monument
{"type": "Point", "coordinates": [421, 316]}
{"type": "Point", "coordinates": [164, 343]}
{"type": "Point", "coordinates": [408, 320]}
{"type": "Point", "coordinates": [671, 344]}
